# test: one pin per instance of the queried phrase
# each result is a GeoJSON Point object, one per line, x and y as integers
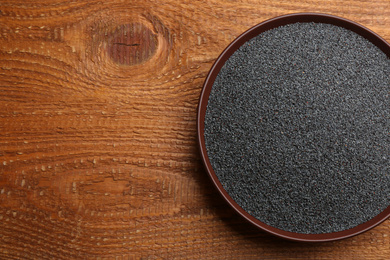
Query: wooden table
{"type": "Point", "coordinates": [98, 152]}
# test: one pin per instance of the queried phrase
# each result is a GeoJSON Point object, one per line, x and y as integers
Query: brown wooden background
{"type": "Point", "coordinates": [98, 154]}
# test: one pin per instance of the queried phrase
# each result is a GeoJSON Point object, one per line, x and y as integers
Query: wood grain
{"type": "Point", "coordinates": [98, 154]}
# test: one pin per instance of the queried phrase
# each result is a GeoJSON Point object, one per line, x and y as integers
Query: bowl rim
{"type": "Point", "coordinates": [202, 106]}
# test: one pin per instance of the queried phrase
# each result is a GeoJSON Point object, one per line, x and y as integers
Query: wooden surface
{"type": "Point", "coordinates": [98, 154]}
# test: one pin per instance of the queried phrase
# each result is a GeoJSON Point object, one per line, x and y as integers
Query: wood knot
{"type": "Point", "coordinates": [132, 44]}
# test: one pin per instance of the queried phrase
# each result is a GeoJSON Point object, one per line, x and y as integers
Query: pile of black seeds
{"type": "Point", "coordinates": [297, 128]}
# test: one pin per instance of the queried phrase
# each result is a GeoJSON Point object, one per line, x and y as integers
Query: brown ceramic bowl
{"type": "Point", "coordinates": [254, 31]}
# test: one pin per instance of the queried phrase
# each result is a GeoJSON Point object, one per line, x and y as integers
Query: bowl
{"type": "Point", "coordinates": [204, 99]}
